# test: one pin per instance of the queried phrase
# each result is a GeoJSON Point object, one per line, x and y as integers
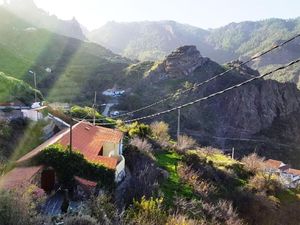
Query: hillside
{"type": "Point", "coordinates": [262, 111]}
{"type": "Point", "coordinates": [154, 40]}
{"type": "Point", "coordinates": [75, 66]}
{"type": "Point", "coordinates": [12, 90]}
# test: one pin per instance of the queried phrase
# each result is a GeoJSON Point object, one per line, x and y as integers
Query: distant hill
{"type": "Point", "coordinates": [28, 11]}
{"type": "Point", "coordinates": [153, 40]}
{"type": "Point", "coordinates": [67, 69]}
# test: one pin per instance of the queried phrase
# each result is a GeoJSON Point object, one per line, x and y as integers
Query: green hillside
{"type": "Point", "coordinates": [12, 89]}
{"type": "Point", "coordinates": [77, 68]}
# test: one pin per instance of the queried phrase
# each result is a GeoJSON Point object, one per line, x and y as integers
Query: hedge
{"type": "Point", "coordinates": [68, 164]}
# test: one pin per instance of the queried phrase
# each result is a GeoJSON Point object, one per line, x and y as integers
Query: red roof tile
{"type": "Point", "coordinates": [85, 182]}
{"type": "Point", "coordinates": [89, 139]}
{"type": "Point", "coordinates": [294, 172]}
{"type": "Point", "coordinates": [18, 177]}
{"type": "Point", "coordinates": [274, 164]}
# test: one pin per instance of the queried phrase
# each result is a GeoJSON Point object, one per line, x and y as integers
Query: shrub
{"type": "Point", "coordinates": [147, 212]}
{"type": "Point", "coordinates": [104, 210]}
{"type": "Point", "coordinates": [253, 163]}
{"type": "Point", "coordinates": [136, 129]}
{"type": "Point", "coordinates": [184, 142]}
{"type": "Point", "coordinates": [265, 183]}
{"type": "Point", "coordinates": [193, 178]}
{"type": "Point", "coordinates": [80, 220]}
{"type": "Point", "coordinates": [160, 131]}
{"type": "Point", "coordinates": [142, 145]}
{"type": "Point", "coordinates": [15, 209]}
{"type": "Point", "coordinates": [182, 220]}
{"type": "Point", "coordinates": [84, 112]}
{"type": "Point", "coordinates": [67, 164]}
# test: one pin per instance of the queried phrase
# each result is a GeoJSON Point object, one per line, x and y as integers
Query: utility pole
{"type": "Point", "coordinates": [178, 124]}
{"type": "Point", "coordinates": [94, 109]}
{"type": "Point", "coordinates": [71, 135]}
{"type": "Point", "coordinates": [71, 131]}
{"type": "Point", "coordinates": [35, 84]}
{"type": "Point", "coordinates": [232, 153]}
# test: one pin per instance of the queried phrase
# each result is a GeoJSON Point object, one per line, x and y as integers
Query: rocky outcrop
{"type": "Point", "coordinates": [181, 62]}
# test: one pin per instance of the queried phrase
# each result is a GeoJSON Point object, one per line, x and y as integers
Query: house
{"type": "Point", "coordinates": [113, 92]}
{"type": "Point", "coordinates": [35, 113]}
{"type": "Point", "coordinates": [275, 166]}
{"type": "Point", "coordinates": [288, 176]}
{"type": "Point", "coordinates": [97, 144]}
{"type": "Point", "coordinates": [291, 178]}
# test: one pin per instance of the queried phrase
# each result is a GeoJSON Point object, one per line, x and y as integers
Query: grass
{"type": "Point", "coordinates": [288, 196]}
{"type": "Point", "coordinates": [173, 186]}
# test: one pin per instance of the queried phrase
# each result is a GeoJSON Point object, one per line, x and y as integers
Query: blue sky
{"type": "Point", "coordinates": [201, 13]}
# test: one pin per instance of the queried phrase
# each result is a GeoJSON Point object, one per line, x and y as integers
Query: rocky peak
{"type": "Point", "coordinates": [181, 62]}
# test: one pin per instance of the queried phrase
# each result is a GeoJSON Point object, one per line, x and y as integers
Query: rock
{"type": "Point", "coordinates": [181, 62]}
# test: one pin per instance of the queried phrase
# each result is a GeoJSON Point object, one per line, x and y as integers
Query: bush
{"type": "Point", "coordinates": [80, 220]}
{"type": "Point", "coordinates": [160, 131]}
{"type": "Point", "coordinates": [202, 187]}
{"type": "Point", "coordinates": [147, 212]}
{"type": "Point", "coordinates": [253, 163]}
{"type": "Point", "coordinates": [182, 220]}
{"type": "Point", "coordinates": [264, 183]}
{"type": "Point", "coordinates": [134, 129]}
{"type": "Point", "coordinates": [184, 142]}
{"type": "Point", "coordinates": [67, 164]}
{"type": "Point", "coordinates": [104, 210]}
{"type": "Point", "coordinates": [84, 112]}
{"type": "Point", "coordinates": [15, 209]}
{"type": "Point", "coordinates": [142, 145]}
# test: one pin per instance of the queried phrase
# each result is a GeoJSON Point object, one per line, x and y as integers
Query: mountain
{"type": "Point", "coordinates": [153, 40]}
{"type": "Point", "coordinates": [264, 113]}
{"type": "Point", "coordinates": [67, 69]}
{"type": "Point", "coordinates": [28, 11]}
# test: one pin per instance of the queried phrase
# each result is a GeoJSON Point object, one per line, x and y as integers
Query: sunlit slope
{"type": "Point", "coordinates": [12, 89]}
{"type": "Point", "coordinates": [77, 68]}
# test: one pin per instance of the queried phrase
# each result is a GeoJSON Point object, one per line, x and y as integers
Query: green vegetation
{"type": "Point", "coordinates": [12, 89]}
{"type": "Point", "coordinates": [173, 186]}
{"type": "Point", "coordinates": [68, 164]}
{"type": "Point", "coordinates": [77, 66]}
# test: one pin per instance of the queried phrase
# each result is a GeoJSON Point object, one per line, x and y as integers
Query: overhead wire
{"type": "Point", "coordinates": [183, 91]}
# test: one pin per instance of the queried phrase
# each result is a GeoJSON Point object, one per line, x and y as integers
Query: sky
{"type": "Point", "coordinates": [201, 13]}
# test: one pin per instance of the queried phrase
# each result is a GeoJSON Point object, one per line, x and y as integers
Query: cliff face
{"type": "Point", "coordinates": [242, 113]}
{"type": "Point", "coordinates": [180, 63]}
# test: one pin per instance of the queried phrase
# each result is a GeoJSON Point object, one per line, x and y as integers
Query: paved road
{"type": "Point", "coordinates": [107, 108]}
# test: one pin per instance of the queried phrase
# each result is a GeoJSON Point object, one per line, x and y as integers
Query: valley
{"type": "Point", "coordinates": [148, 122]}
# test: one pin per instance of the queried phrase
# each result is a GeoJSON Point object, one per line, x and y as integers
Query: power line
{"type": "Point", "coordinates": [183, 91]}
{"type": "Point", "coordinates": [214, 94]}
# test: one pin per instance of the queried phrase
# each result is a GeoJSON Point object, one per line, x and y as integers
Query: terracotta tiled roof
{"type": "Point", "coordinates": [294, 172]}
{"type": "Point", "coordinates": [89, 139]}
{"type": "Point", "coordinates": [40, 148]}
{"type": "Point", "coordinates": [18, 177]}
{"type": "Point", "coordinates": [274, 164]}
{"type": "Point", "coordinates": [85, 182]}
